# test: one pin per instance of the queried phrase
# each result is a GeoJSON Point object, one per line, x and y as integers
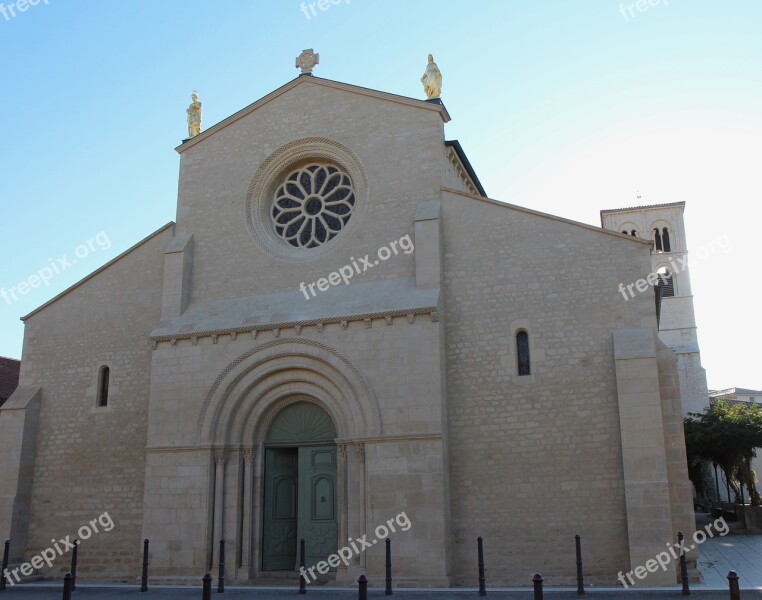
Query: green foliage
{"type": "Point", "coordinates": [700, 473]}
{"type": "Point", "coordinates": [728, 435]}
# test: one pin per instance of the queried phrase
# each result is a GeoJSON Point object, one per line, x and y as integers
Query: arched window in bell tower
{"type": "Point", "coordinates": [666, 282]}
{"type": "Point", "coordinates": [657, 240]}
{"type": "Point", "coordinates": [665, 239]}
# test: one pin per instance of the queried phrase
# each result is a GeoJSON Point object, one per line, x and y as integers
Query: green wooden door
{"type": "Point", "coordinates": [300, 488]}
{"type": "Point", "coordinates": [317, 501]}
{"type": "Point", "coordinates": [280, 508]}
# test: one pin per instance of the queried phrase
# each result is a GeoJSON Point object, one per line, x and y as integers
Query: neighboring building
{"type": "Point", "coordinates": [734, 394]}
{"type": "Point", "coordinates": [9, 377]}
{"type": "Point", "coordinates": [479, 371]}
{"type": "Point", "coordinates": [664, 226]}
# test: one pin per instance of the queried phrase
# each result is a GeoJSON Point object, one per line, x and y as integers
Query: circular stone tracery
{"type": "Point", "coordinates": [312, 205]}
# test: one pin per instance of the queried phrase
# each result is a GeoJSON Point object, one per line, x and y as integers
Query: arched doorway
{"type": "Point", "coordinates": [299, 488]}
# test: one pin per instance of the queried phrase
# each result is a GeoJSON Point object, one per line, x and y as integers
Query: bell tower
{"type": "Point", "coordinates": [663, 224]}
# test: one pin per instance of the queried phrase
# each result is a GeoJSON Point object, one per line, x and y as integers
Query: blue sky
{"type": "Point", "coordinates": [564, 107]}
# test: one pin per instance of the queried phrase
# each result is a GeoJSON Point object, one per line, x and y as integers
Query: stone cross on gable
{"type": "Point", "coordinates": [307, 60]}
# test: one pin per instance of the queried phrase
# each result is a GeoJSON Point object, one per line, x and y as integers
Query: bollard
{"type": "Point", "coordinates": [68, 579]}
{"type": "Point", "coordinates": [221, 577]}
{"type": "Point", "coordinates": [537, 580]}
{"type": "Point", "coordinates": [144, 575]}
{"type": "Point", "coordinates": [302, 580]}
{"type": "Point", "coordinates": [362, 593]}
{"type": "Point", "coordinates": [206, 593]}
{"type": "Point", "coordinates": [74, 566]}
{"type": "Point", "coordinates": [480, 549]}
{"type": "Point", "coordinates": [735, 593]}
{"type": "Point", "coordinates": [580, 576]}
{"type": "Point", "coordinates": [388, 591]}
{"type": "Point", "coordinates": [5, 565]}
{"type": "Point", "coordinates": [683, 565]}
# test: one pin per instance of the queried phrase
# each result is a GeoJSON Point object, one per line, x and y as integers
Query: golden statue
{"type": "Point", "coordinates": [194, 116]}
{"type": "Point", "coordinates": [432, 79]}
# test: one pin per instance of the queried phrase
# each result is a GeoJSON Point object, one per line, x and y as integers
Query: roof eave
{"type": "Point", "coordinates": [311, 79]}
{"type": "Point", "coordinates": [97, 271]}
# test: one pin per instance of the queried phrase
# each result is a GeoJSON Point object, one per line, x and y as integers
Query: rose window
{"type": "Point", "coordinates": [312, 205]}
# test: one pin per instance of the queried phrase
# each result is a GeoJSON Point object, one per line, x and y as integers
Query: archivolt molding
{"type": "Point", "coordinates": [275, 374]}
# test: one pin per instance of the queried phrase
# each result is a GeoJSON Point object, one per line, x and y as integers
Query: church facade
{"type": "Point", "coordinates": [340, 329]}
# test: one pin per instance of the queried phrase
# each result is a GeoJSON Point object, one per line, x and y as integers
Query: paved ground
{"type": "Point", "coordinates": [31, 593]}
{"type": "Point", "coordinates": [717, 556]}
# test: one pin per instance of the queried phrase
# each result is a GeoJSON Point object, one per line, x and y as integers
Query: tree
{"type": "Point", "coordinates": [728, 435]}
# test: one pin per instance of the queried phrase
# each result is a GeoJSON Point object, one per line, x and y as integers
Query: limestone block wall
{"type": "Point", "coordinates": [680, 487]}
{"type": "Point", "coordinates": [19, 423]}
{"type": "Point", "coordinates": [400, 465]}
{"type": "Point", "coordinates": [536, 459]}
{"type": "Point", "coordinates": [89, 460]}
{"type": "Point", "coordinates": [398, 147]}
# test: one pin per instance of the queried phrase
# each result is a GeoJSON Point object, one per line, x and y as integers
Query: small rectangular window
{"type": "Point", "coordinates": [522, 352]}
{"type": "Point", "coordinates": [103, 378]}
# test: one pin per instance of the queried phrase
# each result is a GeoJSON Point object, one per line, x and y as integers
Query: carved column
{"type": "Point", "coordinates": [362, 508]}
{"type": "Point", "coordinates": [219, 493]}
{"type": "Point", "coordinates": [248, 483]}
{"type": "Point", "coordinates": [342, 479]}
{"type": "Point", "coordinates": [256, 507]}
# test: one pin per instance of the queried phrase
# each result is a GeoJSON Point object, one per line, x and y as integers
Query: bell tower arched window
{"type": "Point", "coordinates": [666, 282]}
{"type": "Point", "coordinates": [665, 240]}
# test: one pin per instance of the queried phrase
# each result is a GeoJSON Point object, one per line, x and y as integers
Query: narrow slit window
{"type": "Point", "coordinates": [103, 377]}
{"type": "Point", "coordinates": [522, 352]}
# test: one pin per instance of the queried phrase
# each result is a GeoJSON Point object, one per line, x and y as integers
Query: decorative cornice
{"type": "Point", "coordinates": [461, 171]}
{"type": "Point", "coordinates": [298, 326]}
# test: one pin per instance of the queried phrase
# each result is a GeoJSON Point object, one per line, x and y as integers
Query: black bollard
{"type": "Point", "coordinates": [206, 593]}
{"type": "Point", "coordinates": [683, 565]}
{"type": "Point", "coordinates": [144, 575]}
{"type": "Point", "coordinates": [221, 577]}
{"type": "Point", "coordinates": [580, 576]}
{"type": "Point", "coordinates": [74, 566]}
{"type": "Point", "coordinates": [537, 580]}
{"type": "Point", "coordinates": [68, 582]}
{"type": "Point", "coordinates": [5, 564]}
{"type": "Point", "coordinates": [480, 549]}
{"type": "Point", "coordinates": [735, 593]}
{"type": "Point", "coordinates": [388, 591]}
{"type": "Point", "coordinates": [362, 588]}
{"type": "Point", "coordinates": [302, 580]}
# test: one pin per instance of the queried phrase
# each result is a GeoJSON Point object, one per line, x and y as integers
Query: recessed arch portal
{"type": "Point", "coordinates": [243, 393]}
{"type": "Point", "coordinates": [234, 422]}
